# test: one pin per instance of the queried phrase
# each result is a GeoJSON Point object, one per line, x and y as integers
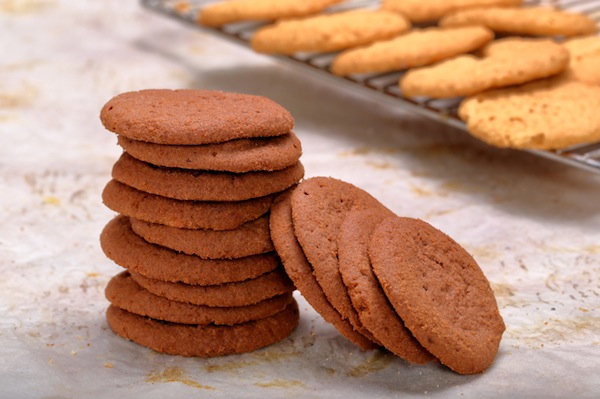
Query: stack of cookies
{"type": "Point", "coordinates": [193, 189]}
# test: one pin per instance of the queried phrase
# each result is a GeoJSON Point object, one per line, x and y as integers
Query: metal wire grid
{"type": "Point", "coordinates": [384, 87]}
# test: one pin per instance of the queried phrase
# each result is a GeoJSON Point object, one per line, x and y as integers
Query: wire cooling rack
{"type": "Point", "coordinates": [382, 87]}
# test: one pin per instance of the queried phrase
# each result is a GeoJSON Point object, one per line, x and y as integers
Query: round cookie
{"type": "Point", "coordinates": [585, 59]}
{"type": "Point", "coordinates": [193, 117]}
{"type": "Point", "coordinates": [439, 291]}
{"type": "Point", "coordinates": [374, 310]}
{"type": "Point", "coordinates": [127, 249]}
{"type": "Point", "coordinates": [123, 292]}
{"type": "Point", "coordinates": [251, 238]}
{"type": "Point", "coordinates": [243, 293]}
{"type": "Point", "coordinates": [319, 205]}
{"type": "Point", "coordinates": [203, 341]}
{"type": "Point", "coordinates": [419, 11]}
{"type": "Point", "coordinates": [198, 185]}
{"type": "Point", "coordinates": [301, 273]}
{"type": "Point", "coordinates": [152, 208]}
{"type": "Point", "coordinates": [238, 156]}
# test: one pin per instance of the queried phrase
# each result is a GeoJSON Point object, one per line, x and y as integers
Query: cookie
{"type": "Point", "coordinates": [328, 32]}
{"type": "Point", "coordinates": [524, 21]}
{"type": "Point", "coordinates": [243, 293]}
{"type": "Point", "coordinates": [301, 273]}
{"type": "Point", "coordinates": [546, 114]}
{"type": "Point", "coordinates": [251, 238]}
{"type": "Point", "coordinates": [439, 291]}
{"type": "Point", "coordinates": [196, 185]}
{"type": "Point", "coordinates": [127, 249]}
{"type": "Point", "coordinates": [123, 292]}
{"type": "Point", "coordinates": [585, 59]}
{"type": "Point", "coordinates": [226, 12]}
{"type": "Point", "coordinates": [319, 205]}
{"type": "Point", "coordinates": [505, 62]}
{"type": "Point", "coordinates": [213, 215]}
{"type": "Point", "coordinates": [374, 310]}
{"type": "Point", "coordinates": [416, 48]}
{"type": "Point", "coordinates": [419, 11]}
{"type": "Point", "coordinates": [193, 117]}
{"type": "Point", "coordinates": [238, 156]}
{"type": "Point", "coordinates": [203, 340]}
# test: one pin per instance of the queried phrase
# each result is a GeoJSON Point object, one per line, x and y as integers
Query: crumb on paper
{"type": "Point", "coordinates": [280, 384]}
{"type": "Point", "coordinates": [51, 200]}
{"type": "Point", "coordinates": [108, 365]}
{"type": "Point", "coordinates": [182, 6]}
{"type": "Point", "coordinates": [175, 374]}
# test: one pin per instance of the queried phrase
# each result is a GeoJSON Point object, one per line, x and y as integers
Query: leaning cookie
{"type": "Point", "coordinates": [328, 32]}
{"type": "Point", "coordinates": [419, 11]}
{"type": "Point", "coordinates": [416, 48]}
{"type": "Point", "coordinates": [505, 62]}
{"type": "Point", "coordinates": [525, 21]}
{"type": "Point", "coordinates": [546, 114]}
{"type": "Point", "coordinates": [585, 59]}
{"type": "Point", "coordinates": [226, 12]}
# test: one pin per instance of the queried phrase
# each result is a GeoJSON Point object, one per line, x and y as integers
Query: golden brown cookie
{"type": "Point", "coordinates": [546, 114]}
{"type": "Point", "coordinates": [416, 48]}
{"type": "Point", "coordinates": [193, 117]}
{"type": "Point", "coordinates": [505, 62]}
{"type": "Point", "coordinates": [251, 238]}
{"type": "Point", "coordinates": [328, 32]}
{"type": "Point", "coordinates": [585, 59]}
{"type": "Point", "coordinates": [123, 292]}
{"type": "Point", "coordinates": [524, 21]}
{"type": "Point", "coordinates": [212, 215]}
{"type": "Point", "coordinates": [206, 340]}
{"type": "Point", "coordinates": [197, 185]}
{"type": "Point", "coordinates": [238, 156]}
{"type": "Point", "coordinates": [439, 291]}
{"type": "Point", "coordinates": [419, 11]}
{"type": "Point", "coordinates": [226, 12]}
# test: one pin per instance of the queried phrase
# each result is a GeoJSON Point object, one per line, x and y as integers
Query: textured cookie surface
{"type": "Point", "coordinates": [226, 12]}
{"type": "Point", "coordinates": [184, 184]}
{"type": "Point", "coordinates": [251, 238]}
{"type": "Point", "coordinates": [525, 21]}
{"type": "Point", "coordinates": [416, 48]}
{"type": "Point", "coordinates": [202, 341]}
{"type": "Point", "coordinates": [433, 10]}
{"type": "Point", "coordinates": [329, 32]}
{"type": "Point", "coordinates": [546, 114]}
{"type": "Point", "coordinates": [439, 291]}
{"type": "Point", "coordinates": [127, 249]}
{"type": "Point", "coordinates": [123, 292]}
{"type": "Point", "coordinates": [193, 116]}
{"type": "Point", "coordinates": [374, 310]}
{"type": "Point", "coordinates": [505, 62]}
{"type": "Point", "coordinates": [239, 156]}
{"type": "Point", "coordinates": [301, 272]}
{"type": "Point", "coordinates": [585, 59]}
{"type": "Point", "coordinates": [153, 208]}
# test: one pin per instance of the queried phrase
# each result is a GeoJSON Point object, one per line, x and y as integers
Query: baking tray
{"type": "Point", "coordinates": [383, 87]}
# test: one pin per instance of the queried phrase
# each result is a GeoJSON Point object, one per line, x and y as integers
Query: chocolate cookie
{"type": "Point", "coordinates": [251, 238]}
{"type": "Point", "coordinates": [123, 292]}
{"type": "Point", "coordinates": [184, 184]}
{"type": "Point", "coordinates": [439, 291]}
{"type": "Point", "coordinates": [127, 249]}
{"type": "Point", "coordinates": [238, 156]}
{"type": "Point", "coordinates": [193, 117]}
{"type": "Point", "coordinates": [301, 273]}
{"type": "Point", "coordinates": [203, 340]}
{"type": "Point", "coordinates": [153, 208]}
{"type": "Point", "coordinates": [374, 310]}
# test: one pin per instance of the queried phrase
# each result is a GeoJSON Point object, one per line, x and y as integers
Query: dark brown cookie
{"type": "Point", "coordinates": [243, 293]}
{"type": "Point", "coordinates": [374, 310]}
{"type": "Point", "coordinates": [301, 273]}
{"type": "Point", "coordinates": [127, 249]}
{"type": "Point", "coordinates": [238, 156]}
{"type": "Point", "coordinates": [153, 208]}
{"type": "Point", "coordinates": [203, 341]}
{"type": "Point", "coordinates": [193, 117]}
{"type": "Point", "coordinates": [184, 184]}
{"type": "Point", "coordinates": [123, 292]}
{"type": "Point", "coordinates": [319, 205]}
{"type": "Point", "coordinates": [251, 238]}
{"type": "Point", "coordinates": [439, 291]}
